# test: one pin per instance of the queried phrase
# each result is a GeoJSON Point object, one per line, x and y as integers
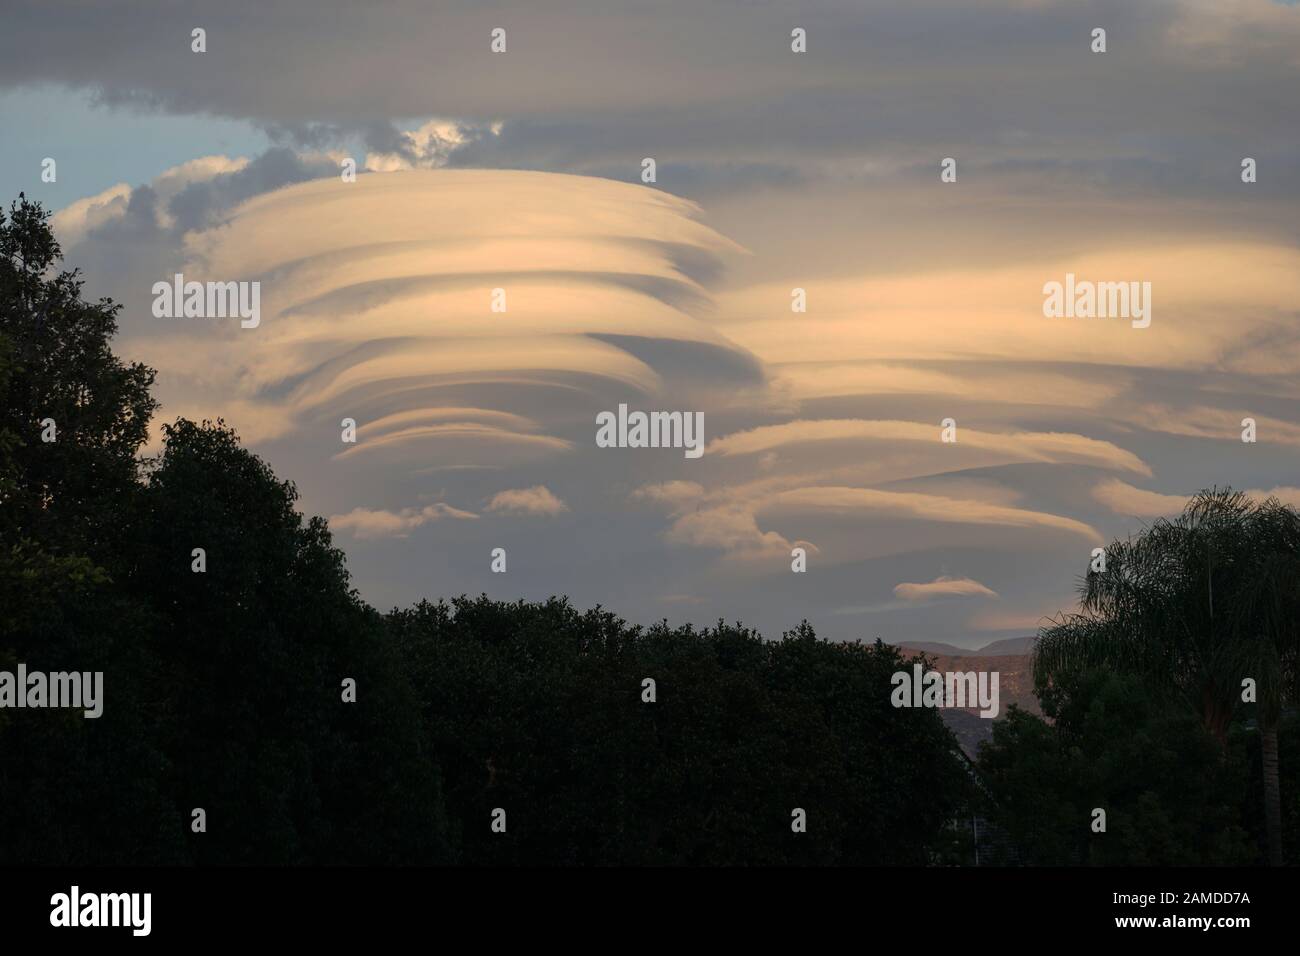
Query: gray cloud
{"type": "Point", "coordinates": [714, 92]}
{"type": "Point", "coordinates": [202, 203]}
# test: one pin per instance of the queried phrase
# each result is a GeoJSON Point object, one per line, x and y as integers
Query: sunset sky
{"type": "Point", "coordinates": [776, 170]}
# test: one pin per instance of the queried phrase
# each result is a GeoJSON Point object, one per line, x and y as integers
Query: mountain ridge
{"type": "Point", "coordinates": [1006, 647]}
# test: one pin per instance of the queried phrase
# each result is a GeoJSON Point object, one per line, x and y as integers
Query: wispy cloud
{"type": "Point", "coordinates": [1125, 499]}
{"type": "Point", "coordinates": [370, 523]}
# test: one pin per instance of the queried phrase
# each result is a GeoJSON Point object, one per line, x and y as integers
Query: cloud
{"type": "Point", "coordinates": [676, 494]}
{"type": "Point", "coordinates": [734, 530]}
{"type": "Point", "coordinates": [478, 433]}
{"type": "Point", "coordinates": [824, 425]}
{"type": "Point", "coordinates": [1203, 421]}
{"type": "Point", "coordinates": [1023, 446]}
{"type": "Point", "coordinates": [74, 221]}
{"type": "Point", "coordinates": [945, 325]}
{"type": "Point", "coordinates": [870, 502]}
{"type": "Point", "coordinates": [1286, 494]}
{"type": "Point", "coordinates": [729, 95]}
{"type": "Point", "coordinates": [1125, 499]}
{"type": "Point", "coordinates": [376, 303]}
{"type": "Point", "coordinates": [537, 500]}
{"type": "Point", "coordinates": [942, 587]}
{"type": "Point", "coordinates": [368, 523]}
{"type": "Point", "coordinates": [429, 146]}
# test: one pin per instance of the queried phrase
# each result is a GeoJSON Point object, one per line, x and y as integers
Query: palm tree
{"type": "Point", "coordinates": [1266, 631]}
{"type": "Point", "coordinates": [1193, 605]}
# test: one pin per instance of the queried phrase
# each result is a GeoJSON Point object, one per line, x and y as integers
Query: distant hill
{"type": "Point", "coordinates": [1002, 648]}
{"type": "Point", "coordinates": [1009, 657]}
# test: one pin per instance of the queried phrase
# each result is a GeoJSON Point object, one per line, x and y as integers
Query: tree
{"type": "Point", "coordinates": [69, 493]}
{"type": "Point", "coordinates": [538, 709]}
{"type": "Point", "coordinates": [1265, 626]}
{"type": "Point", "coordinates": [1193, 606]}
{"type": "Point", "coordinates": [71, 790]}
{"type": "Point", "coordinates": [1171, 795]}
{"type": "Point", "coordinates": [257, 646]}
{"type": "Point", "coordinates": [222, 689]}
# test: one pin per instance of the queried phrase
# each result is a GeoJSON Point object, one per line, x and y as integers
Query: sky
{"type": "Point", "coordinates": [823, 170]}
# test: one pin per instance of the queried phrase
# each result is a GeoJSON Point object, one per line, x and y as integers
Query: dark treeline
{"type": "Point", "coordinates": [224, 690]}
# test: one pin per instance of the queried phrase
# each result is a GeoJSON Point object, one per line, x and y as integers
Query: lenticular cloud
{"type": "Point", "coordinates": [378, 304]}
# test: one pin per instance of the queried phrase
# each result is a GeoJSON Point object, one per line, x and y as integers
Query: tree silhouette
{"type": "Point", "coordinates": [1194, 606]}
